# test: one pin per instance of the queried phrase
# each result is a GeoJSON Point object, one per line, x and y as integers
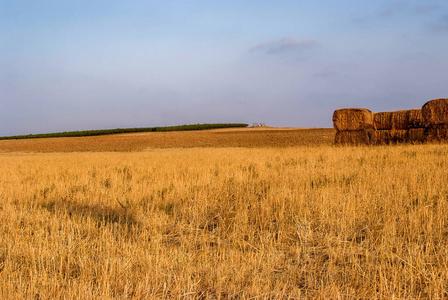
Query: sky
{"type": "Point", "coordinates": [91, 64]}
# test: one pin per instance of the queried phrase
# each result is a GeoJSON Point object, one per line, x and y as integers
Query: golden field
{"type": "Point", "coordinates": [266, 221]}
{"type": "Point", "coordinates": [244, 137]}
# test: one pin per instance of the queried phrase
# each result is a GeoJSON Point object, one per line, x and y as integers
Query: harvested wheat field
{"type": "Point", "coordinates": [244, 137]}
{"type": "Point", "coordinates": [225, 222]}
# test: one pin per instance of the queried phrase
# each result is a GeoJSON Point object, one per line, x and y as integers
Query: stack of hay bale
{"type": "Point", "coordinates": [399, 127]}
{"type": "Point", "coordinates": [435, 116]}
{"type": "Point", "coordinates": [362, 127]}
{"type": "Point", "coordinates": [354, 126]}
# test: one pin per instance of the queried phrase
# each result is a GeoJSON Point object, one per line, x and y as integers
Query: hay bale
{"type": "Point", "coordinates": [382, 120]}
{"type": "Point", "coordinates": [398, 120]}
{"type": "Point", "coordinates": [382, 137]}
{"type": "Point", "coordinates": [416, 135]}
{"type": "Point", "coordinates": [436, 133]}
{"type": "Point", "coordinates": [399, 136]}
{"type": "Point", "coordinates": [353, 119]}
{"type": "Point", "coordinates": [415, 117]}
{"type": "Point", "coordinates": [435, 112]}
{"type": "Point", "coordinates": [354, 137]}
{"type": "Point", "coordinates": [394, 136]}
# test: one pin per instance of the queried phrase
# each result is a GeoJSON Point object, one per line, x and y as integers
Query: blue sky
{"type": "Point", "coordinates": [69, 65]}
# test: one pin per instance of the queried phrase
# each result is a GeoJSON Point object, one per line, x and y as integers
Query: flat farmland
{"type": "Point", "coordinates": [246, 214]}
{"type": "Point", "coordinates": [245, 137]}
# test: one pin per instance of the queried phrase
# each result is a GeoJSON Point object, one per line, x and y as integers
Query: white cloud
{"type": "Point", "coordinates": [285, 45]}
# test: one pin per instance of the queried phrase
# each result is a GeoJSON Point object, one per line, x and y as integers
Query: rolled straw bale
{"type": "Point", "coordinates": [415, 119]}
{"type": "Point", "coordinates": [416, 135]}
{"type": "Point", "coordinates": [382, 120]}
{"type": "Point", "coordinates": [435, 112]}
{"type": "Point", "coordinates": [353, 119]}
{"type": "Point", "coordinates": [437, 133]}
{"type": "Point", "coordinates": [354, 137]}
{"type": "Point", "coordinates": [394, 136]}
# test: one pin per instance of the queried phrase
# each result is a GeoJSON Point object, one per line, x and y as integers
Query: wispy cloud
{"type": "Point", "coordinates": [284, 45]}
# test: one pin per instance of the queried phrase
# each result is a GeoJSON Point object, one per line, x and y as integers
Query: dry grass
{"type": "Point", "coordinates": [245, 137]}
{"type": "Point", "coordinates": [303, 222]}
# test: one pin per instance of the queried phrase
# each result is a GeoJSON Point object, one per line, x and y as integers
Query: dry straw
{"type": "Point", "coordinates": [405, 126]}
{"type": "Point", "coordinates": [399, 120]}
{"type": "Point", "coordinates": [437, 133]}
{"type": "Point", "coordinates": [383, 120]}
{"type": "Point", "coordinates": [416, 135]}
{"type": "Point", "coordinates": [391, 136]}
{"type": "Point", "coordinates": [435, 112]}
{"type": "Point", "coordinates": [314, 222]}
{"type": "Point", "coordinates": [353, 119]}
{"type": "Point", "coordinates": [415, 119]}
{"type": "Point", "coordinates": [355, 137]}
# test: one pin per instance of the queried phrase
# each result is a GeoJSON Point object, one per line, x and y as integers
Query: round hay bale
{"type": "Point", "coordinates": [354, 137]}
{"type": "Point", "coordinates": [353, 119]}
{"type": "Point", "coordinates": [382, 120]}
{"type": "Point", "coordinates": [435, 112]}
{"type": "Point", "coordinates": [415, 119]}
